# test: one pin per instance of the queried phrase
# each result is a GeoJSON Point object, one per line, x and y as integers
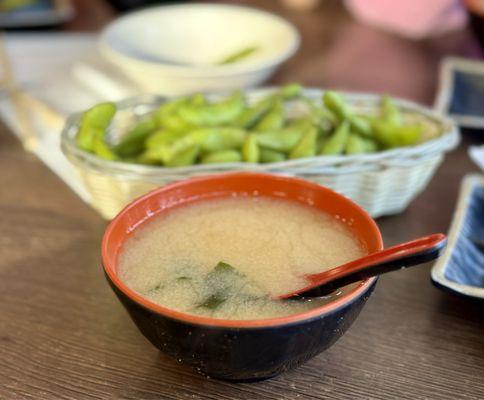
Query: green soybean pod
{"type": "Point", "coordinates": [149, 157]}
{"type": "Point", "coordinates": [216, 139]}
{"type": "Point", "coordinates": [336, 143]}
{"type": "Point", "coordinates": [101, 148]}
{"type": "Point", "coordinates": [162, 137]}
{"type": "Point", "coordinates": [166, 109]}
{"type": "Point", "coordinates": [290, 90]}
{"type": "Point", "coordinates": [286, 138]}
{"type": "Point", "coordinates": [270, 156]}
{"type": "Point", "coordinates": [167, 116]}
{"type": "Point", "coordinates": [94, 119]}
{"type": "Point", "coordinates": [169, 150]}
{"type": "Point", "coordinates": [320, 143]}
{"type": "Point", "coordinates": [184, 157]}
{"type": "Point", "coordinates": [198, 99]}
{"type": "Point", "coordinates": [250, 116]}
{"type": "Point", "coordinates": [250, 149]}
{"type": "Point", "coordinates": [132, 143]}
{"type": "Point", "coordinates": [273, 120]}
{"type": "Point", "coordinates": [320, 115]}
{"type": "Point", "coordinates": [224, 156]}
{"type": "Point", "coordinates": [221, 113]}
{"type": "Point", "coordinates": [237, 56]}
{"type": "Point", "coordinates": [306, 147]}
{"type": "Point", "coordinates": [174, 122]}
{"type": "Point", "coordinates": [390, 135]}
{"type": "Point", "coordinates": [389, 110]}
{"type": "Point", "coordinates": [371, 145]}
{"type": "Point", "coordinates": [360, 125]}
{"type": "Point", "coordinates": [355, 144]}
{"type": "Point", "coordinates": [282, 140]}
{"type": "Point", "coordinates": [336, 104]}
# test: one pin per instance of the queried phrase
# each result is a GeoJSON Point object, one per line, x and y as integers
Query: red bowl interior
{"type": "Point", "coordinates": [241, 184]}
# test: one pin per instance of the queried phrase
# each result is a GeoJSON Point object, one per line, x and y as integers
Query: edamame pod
{"type": "Point", "coordinates": [336, 104]}
{"type": "Point", "coordinates": [306, 147]}
{"type": "Point", "coordinates": [252, 115]}
{"type": "Point", "coordinates": [389, 111]}
{"type": "Point", "coordinates": [284, 139]}
{"type": "Point", "coordinates": [213, 114]}
{"type": "Point", "coordinates": [322, 116]}
{"type": "Point", "coordinates": [337, 142]}
{"type": "Point", "coordinates": [355, 144]}
{"type": "Point", "coordinates": [255, 113]}
{"type": "Point", "coordinates": [289, 91]}
{"type": "Point", "coordinates": [360, 125]}
{"type": "Point", "coordinates": [168, 151]}
{"type": "Point", "coordinates": [216, 139]}
{"type": "Point", "coordinates": [224, 156]}
{"type": "Point", "coordinates": [371, 145]}
{"type": "Point", "coordinates": [390, 135]}
{"type": "Point", "coordinates": [149, 157]}
{"type": "Point", "coordinates": [133, 142]}
{"type": "Point", "coordinates": [100, 147]}
{"type": "Point", "coordinates": [198, 99]}
{"type": "Point", "coordinates": [270, 156]}
{"type": "Point", "coordinates": [250, 149]}
{"type": "Point", "coordinates": [162, 137]}
{"type": "Point", "coordinates": [168, 108]}
{"type": "Point", "coordinates": [167, 115]}
{"type": "Point", "coordinates": [185, 157]}
{"type": "Point", "coordinates": [274, 119]}
{"type": "Point", "coordinates": [95, 119]}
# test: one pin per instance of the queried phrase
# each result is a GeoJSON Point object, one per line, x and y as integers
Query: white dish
{"type": "Point", "coordinates": [175, 49]}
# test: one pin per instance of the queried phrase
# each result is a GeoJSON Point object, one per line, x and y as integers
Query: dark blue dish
{"type": "Point", "coordinates": [461, 91]}
{"type": "Point", "coordinates": [461, 269]}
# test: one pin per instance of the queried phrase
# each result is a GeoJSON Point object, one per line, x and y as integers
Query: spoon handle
{"type": "Point", "coordinates": [404, 255]}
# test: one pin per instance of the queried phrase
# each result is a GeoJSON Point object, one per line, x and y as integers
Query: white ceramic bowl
{"type": "Point", "coordinates": [174, 49]}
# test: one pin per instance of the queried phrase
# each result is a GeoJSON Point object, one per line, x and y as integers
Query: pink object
{"type": "Point", "coordinates": [411, 18]}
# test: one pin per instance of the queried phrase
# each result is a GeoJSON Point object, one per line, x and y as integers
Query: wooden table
{"type": "Point", "coordinates": [63, 335]}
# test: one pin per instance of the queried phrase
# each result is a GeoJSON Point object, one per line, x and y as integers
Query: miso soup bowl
{"type": "Point", "coordinates": [240, 350]}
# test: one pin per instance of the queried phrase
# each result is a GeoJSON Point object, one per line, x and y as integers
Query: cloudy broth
{"type": "Point", "coordinates": [228, 258]}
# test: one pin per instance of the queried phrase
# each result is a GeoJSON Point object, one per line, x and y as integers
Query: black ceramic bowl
{"type": "Point", "coordinates": [230, 349]}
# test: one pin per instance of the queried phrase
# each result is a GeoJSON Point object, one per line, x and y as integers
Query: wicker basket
{"type": "Point", "coordinates": [383, 183]}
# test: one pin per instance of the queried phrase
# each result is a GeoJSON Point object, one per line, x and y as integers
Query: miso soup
{"type": "Point", "coordinates": [228, 258]}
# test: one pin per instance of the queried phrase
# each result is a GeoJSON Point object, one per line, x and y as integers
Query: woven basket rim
{"type": "Point", "coordinates": [448, 140]}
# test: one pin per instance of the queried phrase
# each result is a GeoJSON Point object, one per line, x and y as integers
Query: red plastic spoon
{"type": "Point", "coordinates": [397, 257]}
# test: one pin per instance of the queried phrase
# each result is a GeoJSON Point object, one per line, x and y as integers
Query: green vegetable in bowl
{"type": "Point", "coordinates": [194, 130]}
{"type": "Point", "coordinates": [94, 123]}
{"type": "Point", "coordinates": [133, 142]}
{"type": "Point", "coordinates": [336, 144]}
{"type": "Point", "coordinates": [238, 56]}
{"type": "Point", "coordinates": [250, 149]}
{"type": "Point", "coordinates": [223, 156]}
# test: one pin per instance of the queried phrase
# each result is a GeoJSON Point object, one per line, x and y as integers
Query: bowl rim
{"type": "Point", "coordinates": [115, 55]}
{"type": "Point", "coordinates": [345, 299]}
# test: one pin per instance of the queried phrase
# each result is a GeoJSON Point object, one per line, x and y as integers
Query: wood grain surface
{"type": "Point", "coordinates": [63, 335]}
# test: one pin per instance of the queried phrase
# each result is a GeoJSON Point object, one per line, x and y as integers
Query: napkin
{"type": "Point", "coordinates": [64, 72]}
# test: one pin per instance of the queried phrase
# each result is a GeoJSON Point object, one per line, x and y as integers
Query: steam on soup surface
{"type": "Point", "coordinates": [226, 258]}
